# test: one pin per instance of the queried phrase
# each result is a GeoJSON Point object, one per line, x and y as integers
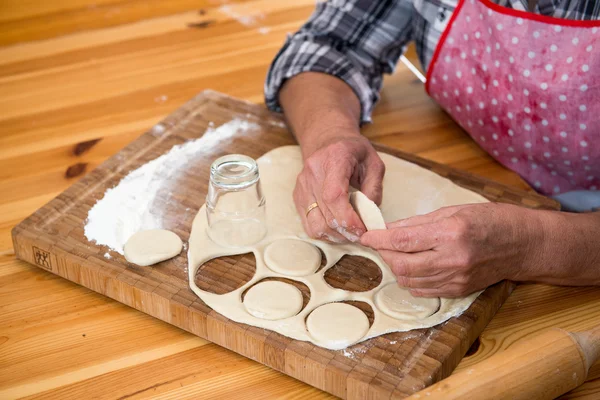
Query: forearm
{"type": "Point", "coordinates": [569, 249]}
{"type": "Point", "coordinates": [318, 109]}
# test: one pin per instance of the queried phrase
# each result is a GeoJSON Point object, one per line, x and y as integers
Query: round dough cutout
{"type": "Point", "coordinates": [397, 302]}
{"type": "Point", "coordinates": [337, 325]}
{"type": "Point", "coordinates": [292, 257]}
{"type": "Point", "coordinates": [152, 246]}
{"type": "Point", "coordinates": [367, 210]}
{"type": "Point", "coordinates": [273, 300]}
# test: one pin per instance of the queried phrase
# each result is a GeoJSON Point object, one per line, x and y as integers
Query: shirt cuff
{"type": "Point", "coordinates": [299, 56]}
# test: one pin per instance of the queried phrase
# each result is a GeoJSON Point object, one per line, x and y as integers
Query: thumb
{"type": "Point", "coordinates": [372, 182]}
{"type": "Point", "coordinates": [433, 216]}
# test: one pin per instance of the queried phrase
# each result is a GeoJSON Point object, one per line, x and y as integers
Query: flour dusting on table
{"type": "Point", "coordinates": [128, 207]}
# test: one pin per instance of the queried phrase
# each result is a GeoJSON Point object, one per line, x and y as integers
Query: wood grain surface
{"type": "Point", "coordinates": [393, 366]}
{"type": "Point", "coordinates": [80, 79]}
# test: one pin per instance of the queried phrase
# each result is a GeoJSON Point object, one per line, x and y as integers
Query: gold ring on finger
{"type": "Point", "coordinates": [311, 207]}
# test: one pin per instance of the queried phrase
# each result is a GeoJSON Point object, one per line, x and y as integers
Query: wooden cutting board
{"type": "Point", "coordinates": [389, 366]}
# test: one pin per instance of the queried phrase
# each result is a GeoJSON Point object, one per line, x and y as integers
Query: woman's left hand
{"type": "Point", "coordinates": [458, 250]}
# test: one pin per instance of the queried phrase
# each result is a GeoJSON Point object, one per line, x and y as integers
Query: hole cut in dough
{"type": "Point", "coordinates": [292, 257]}
{"type": "Point", "coordinates": [337, 325]}
{"type": "Point", "coordinates": [397, 302]}
{"type": "Point", "coordinates": [273, 300]}
{"type": "Point", "coordinates": [354, 273]}
{"type": "Point", "coordinates": [152, 246]}
{"type": "Point", "coordinates": [367, 210]}
{"type": "Point", "coordinates": [226, 273]}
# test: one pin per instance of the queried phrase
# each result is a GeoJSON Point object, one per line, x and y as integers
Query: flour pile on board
{"type": "Point", "coordinates": [128, 207]}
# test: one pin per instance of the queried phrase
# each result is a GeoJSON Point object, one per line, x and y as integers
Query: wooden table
{"type": "Point", "coordinates": [79, 79]}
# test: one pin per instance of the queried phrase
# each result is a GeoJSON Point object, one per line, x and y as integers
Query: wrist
{"type": "Point", "coordinates": [321, 135]}
{"type": "Point", "coordinates": [565, 250]}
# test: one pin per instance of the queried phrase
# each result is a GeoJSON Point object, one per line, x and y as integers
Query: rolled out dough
{"type": "Point", "coordinates": [367, 210]}
{"type": "Point", "coordinates": [408, 190]}
{"type": "Point", "coordinates": [292, 257]}
{"type": "Point", "coordinates": [152, 246]}
{"type": "Point", "coordinates": [273, 300]}
{"type": "Point", "coordinates": [337, 325]}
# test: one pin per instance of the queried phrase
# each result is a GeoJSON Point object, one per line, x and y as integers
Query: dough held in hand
{"type": "Point", "coordinates": [152, 246]}
{"type": "Point", "coordinates": [367, 210]}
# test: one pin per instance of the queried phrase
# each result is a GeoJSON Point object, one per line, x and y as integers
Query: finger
{"type": "Point", "coordinates": [449, 291]}
{"type": "Point", "coordinates": [418, 282]}
{"type": "Point", "coordinates": [371, 183]}
{"type": "Point", "coordinates": [318, 228]}
{"type": "Point", "coordinates": [335, 204]}
{"type": "Point", "coordinates": [313, 222]}
{"type": "Point", "coordinates": [407, 239]}
{"type": "Point", "coordinates": [413, 265]}
{"type": "Point", "coordinates": [431, 217]}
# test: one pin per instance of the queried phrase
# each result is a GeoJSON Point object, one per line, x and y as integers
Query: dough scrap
{"type": "Point", "coordinates": [337, 325]}
{"type": "Point", "coordinates": [149, 247]}
{"type": "Point", "coordinates": [292, 257]}
{"type": "Point", "coordinates": [273, 300]}
{"type": "Point", "coordinates": [367, 210]}
{"type": "Point", "coordinates": [397, 302]}
{"type": "Point", "coordinates": [409, 190]}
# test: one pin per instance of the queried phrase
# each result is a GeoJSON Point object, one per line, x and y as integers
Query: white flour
{"type": "Point", "coordinates": [128, 207]}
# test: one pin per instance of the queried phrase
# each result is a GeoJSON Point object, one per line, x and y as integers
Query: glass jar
{"type": "Point", "coordinates": [235, 205]}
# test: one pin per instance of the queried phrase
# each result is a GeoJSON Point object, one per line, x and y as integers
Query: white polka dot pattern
{"type": "Point", "coordinates": [529, 100]}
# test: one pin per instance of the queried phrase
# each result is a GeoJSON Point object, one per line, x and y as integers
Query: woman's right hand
{"type": "Point", "coordinates": [338, 161]}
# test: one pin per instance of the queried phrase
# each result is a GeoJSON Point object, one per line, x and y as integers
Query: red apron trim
{"type": "Point", "coordinates": [440, 44]}
{"type": "Point", "coordinates": [540, 18]}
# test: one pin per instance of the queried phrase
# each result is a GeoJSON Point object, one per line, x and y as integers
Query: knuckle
{"type": "Point", "coordinates": [332, 193]}
{"type": "Point", "coordinates": [399, 267]}
{"type": "Point", "coordinates": [461, 227]}
{"type": "Point", "coordinates": [311, 165]}
{"type": "Point", "coordinates": [378, 167]}
{"type": "Point", "coordinates": [464, 260]}
{"type": "Point", "coordinates": [399, 239]}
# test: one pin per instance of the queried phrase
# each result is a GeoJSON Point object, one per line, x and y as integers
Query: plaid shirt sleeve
{"type": "Point", "coordinates": [355, 40]}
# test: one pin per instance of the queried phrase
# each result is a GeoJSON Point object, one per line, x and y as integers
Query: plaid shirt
{"type": "Point", "coordinates": [360, 40]}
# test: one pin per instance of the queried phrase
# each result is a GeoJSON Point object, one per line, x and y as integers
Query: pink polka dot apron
{"type": "Point", "coordinates": [527, 88]}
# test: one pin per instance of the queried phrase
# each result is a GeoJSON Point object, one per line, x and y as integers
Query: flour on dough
{"type": "Point", "coordinates": [397, 302]}
{"type": "Point", "coordinates": [409, 190]}
{"type": "Point", "coordinates": [152, 246]}
{"type": "Point", "coordinates": [273, 300]}
{"type": "Point", "coordinates": [337, 325]}
{"type": "Point", "coordinates": [367, 210]}
{"type": "Point", "coordinates": [292, 257]}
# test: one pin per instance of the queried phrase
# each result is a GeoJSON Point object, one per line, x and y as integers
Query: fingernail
{"type": "Point", "coordinates": [359, 232]}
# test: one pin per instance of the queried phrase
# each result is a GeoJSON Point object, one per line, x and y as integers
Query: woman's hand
{"type": "Point", "coordinates": [458, 250]}
{"type": "Point", "coordinates": [340, 159]}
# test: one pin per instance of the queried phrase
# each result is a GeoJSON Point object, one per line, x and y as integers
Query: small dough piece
{"type": "Point", "coordinates": [367, 210]}
{"type": "Point", "coordinates": [397, 302]}
{"type": "Point", "coordinates": [153, 246]}
{"type": "Point", "coordinates": [336, 326]}
{"type": "Point", "coordinates": [292, 257]}
{"type": "Point", "coordinates": [273, 300]}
